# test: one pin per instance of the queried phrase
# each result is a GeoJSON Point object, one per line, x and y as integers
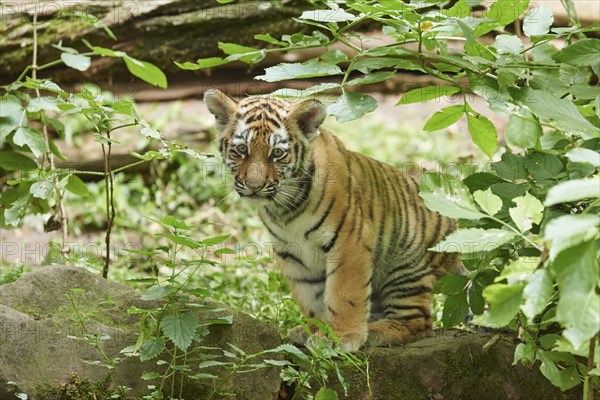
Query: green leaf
{"type": "Point", "coordinates": [537, 293]}
{"type": "Point", "coordinates": [296, 93]}
{"type": "Point", "coordinates": [578, 309]}
{"type": "Point", "coordinates": [309, 69]}
{"type": "Point", "coordinates": [444, 118]}
{"type": "Point", "coordinates": [210, 363]}
{"type": "Point", "coordinates": [573, 190]}
{"type": "Point", "coordinates": [26, 136]}
{"type": "Point", "coordinates": [543, 166]}
{"type": "Point", "coordinates": [269, 39]}
{"type": "Point", "coordinates": [145, 71]}
{"type": "Point", "coordinates": [570, 230]}
{"type": "Point", "coordinates": [584, 155]}
{"type": "Point", "coordinates": [523, 131]}
{"type": "Point", "coordinates": [473, 240]}
{"type": "Point", "coordinates": [334, 57]}
{"type": "Point", "coordinates": [504, 303]}
{"type": "Point", "coordinates": [213, 241]}
{"type": "Point", "coordinates": [451, 200]}
{"type": "Point", "coordinates": [173, 222]}
{"type": "Point", "coordinates": [456, 309]}
{"type": "Point", "coordinates": [147, 376]}
{"type": "Point", "coordinates": [366, 65]}
{"type": "Point", "coordinates": [427, 93]}
{"type": "Point", "coordinates": [528, 210]}
{"type": "Point", "coordinates": [14, 213]}
{"type": "Point", "coordinates": [202, 63]}
{"type": "Point", "coordinates": [352, 105]}
{"type": "Point", "coordinates": [76, 186]}
{"type": "Point", "coordinates": [501, 13]}
{"type": "Point", "coordinates": [583, 53]}
{"type": "Point", "coordinates": [335, 14]}
{"type": "Point", "coordinates": [508, 44]}
{"type": "Point", "coordinates": [76, 61]}
{"type": "Point", "coordinates": [372, 78]}
{"type": "Point", "coordinates": [9, 105]}
{"type": "Point", "coordinates": [326, 393]}
{"type": "Point", "coordinates": [524, 352]}
{"type": "Point", "coordinates": [488, 201]}
{"type": "Point", "coordinates": [14, 161]}
{"type": "Point", "coordinates": [476, 300]}
{"type": "Point", "coordinates": [181, 239]}
{"type": "Point", "coordinates": [157, 292]}
{"type": "Point", "coordinates": [538, 21]}
{"type": "Point", "coordinates": [150, 133]}
{"type": "Point", "coordinates": [151, 348]}
{"type": "Point", "coordinates": [564, 378]}
{"type": "Point", "coordinates": [293, 351]}
{"type": "Point", "coordinates": [483, 133]}
{"type": "Point", "coordinates": [42, 103]}
{"type": "Point", "coordinates": [225, 1]}
{"type": "Point", "coordinates": [451, 284]}
{"type": "Point", "coordinates": [562, 111]}
{"type": "Point", "coordinates": [180, 328]}
{"type": "Point", "coordinates": [103, 51]}
{"type": "Point", "coordinates": [242, 53]}
{"type": "Point", "coordinates": [511, 167]}
{"type": "Point", "coordinates": [42, 189]}
{"type": "Point", "coordinates": [459, 10]}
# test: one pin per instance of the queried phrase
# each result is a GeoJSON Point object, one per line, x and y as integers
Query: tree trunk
{"type": "Point", "coordinates": [156, 31]}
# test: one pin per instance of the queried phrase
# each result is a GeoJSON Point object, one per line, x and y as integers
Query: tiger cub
{"type": "Point", "coordinates": [351, 233]}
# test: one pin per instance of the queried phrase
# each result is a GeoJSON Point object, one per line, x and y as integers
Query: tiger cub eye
{"type": "Point", "coordinates": [241, 148]}
{"type": "Point", "coordinates": [276, 153]}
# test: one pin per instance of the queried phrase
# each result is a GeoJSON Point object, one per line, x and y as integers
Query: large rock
{"type": "Point", "coordinates": [37, 353]}
{"type": "Point", "coordinates": [451, 365]}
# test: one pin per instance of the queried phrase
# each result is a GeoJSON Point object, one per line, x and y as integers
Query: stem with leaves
{"type": "Point", "coordinates": [48, 156]}
{"type": "Point", "coordinates": [110, 199]}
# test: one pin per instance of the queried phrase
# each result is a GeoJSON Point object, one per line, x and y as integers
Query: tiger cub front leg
{"type": "Point", "coordinates": [348, 293]}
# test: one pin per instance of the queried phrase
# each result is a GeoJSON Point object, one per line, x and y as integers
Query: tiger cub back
{"type": "Point", "coordinates": [351, 233]}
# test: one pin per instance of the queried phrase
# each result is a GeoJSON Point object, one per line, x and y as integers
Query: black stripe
{"type": "Point", "coordinates": [300, 203]}
{"type": "Point", "coordinates": [333, 271]}
{"type": "Point", "coordinates": [408, 291]}
{"type": "Point", "coordinates": [331, 310]}
{"type": "Point", "coordinates": [272, 121]}
{"type": "Point", "coordinates": [319, 293]}
{"type": "Point", "coordinates": [404, 307]}
{"type": "Point", "coordinates": [289, 256]}
{"type": "Point", "coordinates": [405, 317]}
{"type": "Point", "coordinates": [309, 281]}
{"type": "Point", "coordinates": [411, 277]}
{"type": "Point", "coordinates": [321, 220]}
{"type": "Point", "coordinates": [329, 245]}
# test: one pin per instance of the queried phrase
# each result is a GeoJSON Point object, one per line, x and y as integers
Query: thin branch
{"type": "Point", "coordinates": [110, 200]}
{"type": "Point", "coordinates": [64, 249]}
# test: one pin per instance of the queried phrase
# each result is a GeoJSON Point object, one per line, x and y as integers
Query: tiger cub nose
{"type": "Point", "coordinates": [255, 186]}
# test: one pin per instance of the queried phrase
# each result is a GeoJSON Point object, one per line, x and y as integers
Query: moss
{"type": "Point", "coordinates": [77, 388]}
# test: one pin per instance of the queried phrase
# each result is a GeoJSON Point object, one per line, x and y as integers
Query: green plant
{"type": "Point", "coordinates": [529, 223]}
{"type": "Point", "coordinates": [172, 324]}
{"type": "Point", "coordinates": [34, 108]}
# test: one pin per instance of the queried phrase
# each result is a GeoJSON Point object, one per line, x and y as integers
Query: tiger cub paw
{"type": "Point", "coordinates": [352, 342]}
{"type": "Point", "coordinates": [299, 335]}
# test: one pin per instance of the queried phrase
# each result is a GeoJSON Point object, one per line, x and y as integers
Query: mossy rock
{"type": "Point", "coordinates": [38, 352]}
{"type": "Point", "coordinates": [450, 365]}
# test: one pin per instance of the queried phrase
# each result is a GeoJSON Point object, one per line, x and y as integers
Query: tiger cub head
{"type": "Point", "coordinates": [265, 142]}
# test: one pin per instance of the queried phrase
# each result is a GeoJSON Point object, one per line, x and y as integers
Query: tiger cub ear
{"type": "Point", "coordinates": [221, 106]}
{"type": "Point", "coordinates": [308, 116]}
